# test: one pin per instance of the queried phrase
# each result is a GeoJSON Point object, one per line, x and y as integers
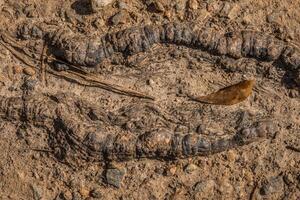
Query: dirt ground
{"type": "Point", "coordinates": [268, 169]}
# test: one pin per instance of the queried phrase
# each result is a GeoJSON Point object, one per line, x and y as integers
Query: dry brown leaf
{"type": "Point", "coordinates": [229, 95]}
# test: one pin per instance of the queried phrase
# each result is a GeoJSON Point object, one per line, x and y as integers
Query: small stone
{"type": "Point", "coordinates": [226, 9]}
{"type": "Point", "coordinates": [294, 93]}
{"type": "Point", "coordinates": [159, 7]}
{"type": "Point", "coordinates": [84, 192]}
{"type": "Point", "coordinates": [98, 23]}
{"type": "Point", "coordinates": [115, 176]}
{"type": "Point", "coordinates": [60, 66]}
{"type": "Point", "coordinates": [150, 82]}
{"type": "Point", "coordinates": [29, 84]}
{"type": "Point", "coordinates": [204, 189]}
{"type": "Point", "coordinates": [201, 129]}
{"type": "Point", "coordinates": [190, 168]}
{"type": "Point", "coordinates": [180, 5]}
{"type": "Point", "coordinates": [168, 14]}
{"type": "Point", "coordinates": [120, 18]}
{"type": "Point", "coordinates": [36, 32]}
{"type": "Point", "coordinates": [159, 169]}
{"type": "Point", "coordinates": [68, 195]}
{"type": "Point", "coordinates": [247, 19]}
{"type": "Point", "coordinates": [233, 12]}
{"type": "Point", "coordinates": [288, 179]}
{"type": "Point", "coordinates": [276, 17]}
{"type": "Point", "coordinates": [37, 192]}
{"type": "Point", "coordinates": [173, 170]}
{"type": "Point", "coordinates": [193, 4]}
{"type": "Point", "coordinates": [99, 4]}
{"type": "Point", "coordinates": [60, 196]}
{"type": "Point", "coordinates": [76, 196]}
{"type": "Point", "coordinates": [122, 5]}
{"type": "Point", "coordinates": [225, 188]}
{"type": "Point", "coordinates": [231, 156]}
{"type": "Point", "coordinates": [30, 11]}
{"type": "Point", "coordinates": [29, 71]}
{"type": "Point", "coordinates": [170, 171]}
{"type": "Point", "coordinates": [248, 176]}
{"type": "Point", "coordinates": [181, 129]}
{"type": "Point", "coordinates": [96, 193]}
{"type": "Point", "coordinates": [17, 69]}
{"type": "Point", "coordinates": [271, 186]}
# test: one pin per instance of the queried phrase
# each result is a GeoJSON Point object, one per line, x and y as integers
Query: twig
{"type": "Point", "coordinates": [43, 67]}
{"type": "Point", "coordinates": [251, 197]}
{"type": "Point", "coordinates": [104, 85]}
{"type": "Point", "coordinates": [18, 55]}
{"type": "Point", "coordinates": [42, 150]}
{"type": "Point", "coordinates": [293, 148]}
{"type": "Point", "coordinates": [10, 41]}
{"type": "Point", "coordinates": [69, 75]}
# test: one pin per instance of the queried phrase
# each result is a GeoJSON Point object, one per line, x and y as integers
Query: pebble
{"type": "Point", "coordinates": [98, 23]}
{"type": "Point", "coordinates": [60, 66]}
{"type": "Point", "coordinates": [271, 186]}
{"type": "Point", "coordinates": [68, 195]}
{"type": "Point", "coordinates": [30, 11]}
{"type": "Point", "coordinates": [115, 176]}
{"type": "Point", "coordinates": [76, 196]}
{"type": "Point", "coordinates": [96, 193]}
{"type": "Point", "coordinates": [159, 7]}
{"type": "Point", "coordinates": [181, 129]}
{"type": "Point", "coordinates": [225, 188]}
{"type": "Point", "coordinates": [247, 19]}
{"type": "Point", "coordinates": [122, 5]}
{"type": "Point", "coordinates": [226, 9]}
{"type": "Point", "coordinates": [190, 168]}
{"type": "Point", "coordinates": [231, 156]}
{"type": "Point", "coordinates": [168, 14]}
{"type": "Point", "coordinates": [275, 17]}
{"type": "Point", "coordinates": [60, 196]}
{"type": "Point", "coordinates": [170, 171]}
{"type": "Point", "coordinates": [150, 82]}
{"type": "Point", "coordinates": [99, 4]}
{"type": "Point", "coordinates": [233, 12]}
{"type": "Point", "coordinates": [17, 69]}
{"type": "Point", "coordinates": [29, 71]}
{"type": "Point", "coordinates": [37, 192]}
{"type": "Point", "coordinates": [36, 32]}
{"type": "Point", "coordinates": [288, 179]}
{"type": "Point", "coordinates": [120, 18]}
{"type": "Point", "coordinates": [29, 84]}
{"type": "Point", "coordinates": [193, 4]}
{"type": "Point", "coordinates": [248, 176]}
{"type": "Point", "coordinates": [84, 192]}
{"type": "Point", "coordinates": [294, 93]}
{"type": "Point", "coordinates": [179, 5]}
{"type": "Point", "coordinates": [173, 170]}
{"type": "Point", "coordinates": [201, 129]}
{"type": "Point", "coordinates": [204, 189]}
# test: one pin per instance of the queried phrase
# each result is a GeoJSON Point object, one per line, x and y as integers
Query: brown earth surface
{"type": "Point", "coordinates": [31, 168]}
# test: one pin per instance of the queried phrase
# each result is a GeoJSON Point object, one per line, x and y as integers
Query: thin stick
{"type": "Point", "coordinates": [43, 67]}
{"type": "Point", "coordinates": [88, 78]}
{"type": "Point", "coordinates": [18, 55]}
{"type": "Point", "coordinates": [107, 86]}
{"type": "Point", "coordinates": [293, 148]}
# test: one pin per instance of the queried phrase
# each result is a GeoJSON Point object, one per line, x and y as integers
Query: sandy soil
{"type": "Point", "coordinates": [268, 169]}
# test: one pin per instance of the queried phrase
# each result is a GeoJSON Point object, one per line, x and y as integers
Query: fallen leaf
{"type": "Point", "coordinates": [229, 95]}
